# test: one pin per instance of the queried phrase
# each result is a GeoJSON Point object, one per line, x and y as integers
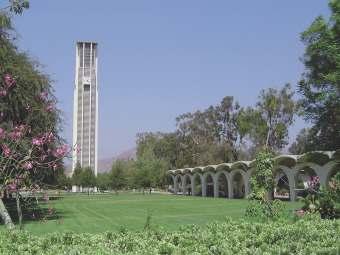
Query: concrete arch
{"type": "Point", "coordinates": [303, 172]}
{"type": "Point", "coordinates": [240, 183]}
{"type": "Point", "coordinates": [296, 169]}
{"type": "Point", "coordinates": [208, 186]}
{"type": "Point", "coordinates": [171, 182]}
{"type": "Point", "coordinates": [282, 184]}
{"type": "Point", "coordinates": [197, 180]}
{"type": "Point", "coordinates": [333, 170]}
{"type": "Point", "coordinates": [178, 184]}
{"type": "Point", "coordinates": [187, 187]}
{"type": "Point", "coordinates": [222, 184]}
{"type": "Point", "coordinates": [291, 173]}
{"type": "Point", "coordinates": [210, 168]}
{"type": "Point", "coordinates": [223, 167]}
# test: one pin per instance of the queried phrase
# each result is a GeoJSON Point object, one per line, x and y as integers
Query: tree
{"type": "Point", "coordinates": [88, 179]}
{"type": "Point", "coordinates": [103, 181]}
{"type": "Point", "coordinates": [77, 175]}
{"type": "Point", "coordinates": [117, 177]}
{"type": "Point", "coordinates": [229, 128]}
{"type": "Point", "coordinates": [269, 121]}
{"type": "Point", "coordinates": [31, 149]}
{"type": "Point", "coordinates": [303, 143]}
{"type": "Point", "coordinates": [212, 135]}
{"type": "Point", "coordinates": [320, 84]}
{"type": "Point", "coordinates": [149, 171]}
{"type": "Point", "coordinates": [61, 180]}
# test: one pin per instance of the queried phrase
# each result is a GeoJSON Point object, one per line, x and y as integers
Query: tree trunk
{"type": "Point", "coordinates": [19, 209]}
{"type": "Point", "coordinates": [5, 216]}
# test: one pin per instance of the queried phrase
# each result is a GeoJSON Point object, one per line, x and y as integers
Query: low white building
{"type": "Point", "coordinates": [232, 180]}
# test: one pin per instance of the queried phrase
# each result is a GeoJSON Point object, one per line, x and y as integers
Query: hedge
{"type": "Point", "coordinates": [305, 236]}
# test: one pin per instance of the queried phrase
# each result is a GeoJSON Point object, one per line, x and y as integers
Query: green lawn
{"type": "Point", "coordinates": [99, 213]}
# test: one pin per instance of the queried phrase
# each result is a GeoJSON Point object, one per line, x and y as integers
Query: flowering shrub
{"type": "Point", "coordinates": [334, 186]}
{"type": "Point", "coordinates": [26, 152]}
{"type": "Point", "coordinates": [229, 237]}
{"type": "Point", "coordinates": [320, 199]}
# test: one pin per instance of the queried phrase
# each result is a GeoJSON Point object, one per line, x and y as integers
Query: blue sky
{"type": "Point", "coordinates": [159, 59]}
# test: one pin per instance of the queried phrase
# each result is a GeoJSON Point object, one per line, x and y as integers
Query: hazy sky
{"type": "Point", "coordinates": [159, 59]}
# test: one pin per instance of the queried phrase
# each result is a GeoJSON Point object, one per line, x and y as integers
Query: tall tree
{"type": "Point", "coordinates": [118, 178]}
{"type": "Point", "coordinates": [30, 147]}
{"type": "Point", "coordinates": [88, 179]}
{"type": "Point", "coordinates": [77, 173]}
{"type": "Point", "coordinates": [212, 135]}
{"type": "Point", "coordinates": [303, 143]}
{"type": "Point", "coordinates": [320, 84]}
{"type": "Point", "coordinates": [231, 138]}
{"type": "Point", "coordinates": [150, 171]}
{"type": "Point", "coordinates": [270, 119]}
{"type": "Point", "coordinates": [103, 181]}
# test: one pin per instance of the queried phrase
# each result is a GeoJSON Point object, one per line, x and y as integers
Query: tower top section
{"type": "Point", "coordinates": [89, 42]}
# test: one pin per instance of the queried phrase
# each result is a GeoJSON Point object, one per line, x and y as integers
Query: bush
{"type": "Point", "coordinates": [265, 210]}
{"type": "Point", "coordinates": [229, 237]}
{"type": "Point", "coordinates": [321, 200]}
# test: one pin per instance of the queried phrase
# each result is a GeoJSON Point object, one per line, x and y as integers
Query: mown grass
{"type": "Point", "coordinates": [109, 212]}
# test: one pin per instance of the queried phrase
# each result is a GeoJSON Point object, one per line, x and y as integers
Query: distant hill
{"type": "Point", "coordinates": [104, 164]}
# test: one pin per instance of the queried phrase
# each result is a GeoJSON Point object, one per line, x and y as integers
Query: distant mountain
{"type": "Point", "coordinates": [105, 164]}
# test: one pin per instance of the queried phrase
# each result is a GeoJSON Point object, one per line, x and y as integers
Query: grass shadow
{"type": "Point", "coordinates": [33, 209]}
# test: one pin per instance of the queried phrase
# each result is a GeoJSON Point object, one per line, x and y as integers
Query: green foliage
{"type": "Point", "coordinates": [267, 124]}
{"type": "Point", "coordinates": [76, 177]}
{"type": "Point", "coordinates": [103, 181]}
{"type": "Point", "coordinates": [87, 177]}
{"type": "Point", "coordinates": [149, 171]}
{"type": "Point", "coordinates": [62, 181]}
{"type": "Point", "coordinates": [262, 184]}
{"type": "Point", "coordinates": [321, 200]}
{"type": "Point", "coordinates": [265, 210]}
{"type": "Point", "coordinates": [261, 180]}
{"type": "Point", "coordinates": [211, 135]}
{"type": "Point", "coordinates": [23, 104]}
{"type": "Point", "coordinates": [118, 176]}
{"type": "Point", "coordinates": [228, 237]}
{"type": "Point", "coordinates": [319, 86]}
{"type": "Point", "coordinates": [334, 187]}
{"type": "Point", "coordinates": [303, 142]}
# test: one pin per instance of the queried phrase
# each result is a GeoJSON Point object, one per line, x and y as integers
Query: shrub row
{"type": "Point", "coordinates": [305, 236]}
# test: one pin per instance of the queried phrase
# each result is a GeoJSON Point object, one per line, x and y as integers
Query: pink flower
{"type": "Point", "coordinates": [49, 137]}
{"type": "Point", "coordinates": [2, 133]}
{"type": "Point", "coordinates": [3, 93]}
{"type": "Point", "coordinates": [60, 151]}
{"type": "Point", "coordinates": [27, 165]}
{"type": "Point", "coordinates": [314, 182]}
{"type": "Point", "coordinates": [50, 107]}
{"type": "Point", "coordinates": [17, 133]}
{"type": "Point", "coordinates": [37, 141]}
{"type": "Point", "coordinates": [9, 81]}
{"type": "Point", "coordinates": [12, 187]}
{"type": "Point", "coordinates": [43, 96]}
{"type": "Point", "coordinates": [6, 150]}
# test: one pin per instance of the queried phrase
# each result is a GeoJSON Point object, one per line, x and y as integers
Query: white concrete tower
{"type": "Point", "coordinates": [85, 109]}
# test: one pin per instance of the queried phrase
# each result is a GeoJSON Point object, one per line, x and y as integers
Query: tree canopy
{"type": "Point", "coordinates": [320, 84]}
